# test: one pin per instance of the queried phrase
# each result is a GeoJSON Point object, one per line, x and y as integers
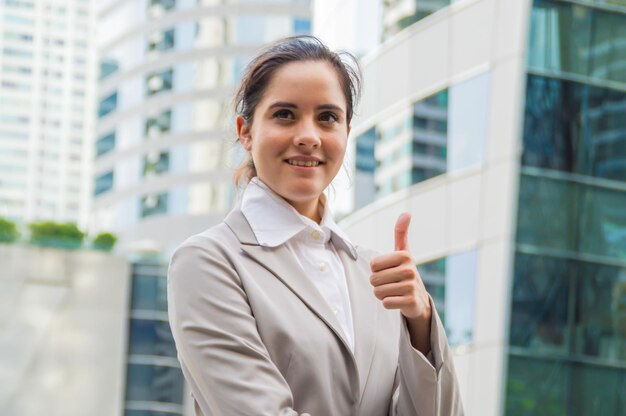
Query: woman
{"type": "Point", "coordinates": [274, 311]}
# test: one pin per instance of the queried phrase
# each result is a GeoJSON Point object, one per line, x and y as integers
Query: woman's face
{"type": "Point", "coordinates": [299, 133]}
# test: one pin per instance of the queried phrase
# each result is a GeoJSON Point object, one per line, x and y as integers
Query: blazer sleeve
{"type": "Point", "coordinates": [426, 386]}
{"type": "Point", "coordinates": [223, 357]}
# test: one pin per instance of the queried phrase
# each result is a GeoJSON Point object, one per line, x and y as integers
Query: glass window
{"type": "Point", "coordinates": [600, 316]}
{"type": "Point", "coordinates": [159, 124]}
{"type": "Point", "coordinates": [154, 383]}
{"type": "Point", "coordinates": [430, 136]}
{"type": "Point", "coordinates": [159, 81]}
{"type": "Point", "coordinates": [547, 387]}
{"type": "Point", "coordinates": [107, 105]}
{"type": "Point", "coordinates": [103, 183]}
{"type": "Point", "coordinates": [574, 127]}
{"type": "Point", "coordinates": [467, 122]}
{"type": "Point", "coordinates": [571, 38]}
{"type": "Point", "coordinates": [105, 144]}
{"type": "Point", "coordinates": [156, 8]}
{"type": "Point", "coordinates": [153, 204]}
{"type": "Point", "coordinates": [400, 14]}
{"type": "Point", "coordinates": [569, 216]}
{"type": "Point", "coordinates": [540, 303]}
{"type": "Point", "coordinates": [451, 283]}
{"type": "Point", "coordinates": [155, 163]}
{"type": "Point", "coordinates": [108, 67]}
{"type": "Point", "coordinates": [161, 40]}
{"type": "Point", "coordinates": [536, 387]}
{"type": "Point", "coordinates": [151, 338]}
{"type": "Point", "coordinates": [149, 293]}
{"type": "Point", "coordinates": [459, 298]}
{"type": "Point", "coordinates": [433, 274]}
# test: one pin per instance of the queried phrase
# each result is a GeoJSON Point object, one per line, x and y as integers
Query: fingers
{"type": "Point", "coordinates": [393, 259]}
{"type": "Point", "coordinates": [402, 232]}
{"type": "Point", "coordinates": [403, 288]}
{"type": "Point", "coordinates": [394, 274]}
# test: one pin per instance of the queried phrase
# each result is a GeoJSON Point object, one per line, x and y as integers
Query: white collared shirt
{"type": "Point", "coordinates": [274, 222]}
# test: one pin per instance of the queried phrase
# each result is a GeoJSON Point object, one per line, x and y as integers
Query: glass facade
{"type": "Point", "coordinates": [154, 380]}
{"type": "Point", "coordinates": [400, 14]}
{"type": "Point", "coordinates": [159, 124]}
{"type": "Point", "coordinates": [402, 150]}
{"type": "Point", "coordinates": [159, 81]}
{"type": "Point", "coordinates": [451, 282]}
{"type": "Point", "coordinates": [105, 144]}
{"type": "Point", "coordinates": [161, 41]}
{"type": "Point", "coordinates": [107, 105]}
{"type": "Point", "coordinates": [103, 183]}
{"type": "Point", "coordinates": [570, 38]}
{"type": "Point", "coordinates": [153, 204]}
{"type": "Point", "coordinates": [567, 337]}
{"type": "Point", "coordinates": [155, 163]}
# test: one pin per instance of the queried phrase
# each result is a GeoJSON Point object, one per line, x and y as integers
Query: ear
{"type": "Point", "coordinates": [243, 132]}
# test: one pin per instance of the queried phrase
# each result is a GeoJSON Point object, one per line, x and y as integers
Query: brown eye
{"type": "Point", "coordinates": [283, 115]}
{"type": "Point", "coordinates": [329, 117]}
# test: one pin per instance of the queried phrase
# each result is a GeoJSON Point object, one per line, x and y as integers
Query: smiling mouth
{"type": "Point", "coordinates": [308, 164]}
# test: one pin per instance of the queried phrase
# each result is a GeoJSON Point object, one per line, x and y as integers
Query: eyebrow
{"type": "Point", "coordinates": [284, 104]}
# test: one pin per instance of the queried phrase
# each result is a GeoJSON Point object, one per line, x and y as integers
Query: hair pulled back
{"type": "Point", "coordinates": [261, 69]}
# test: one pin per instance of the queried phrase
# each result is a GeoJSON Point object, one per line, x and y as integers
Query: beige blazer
{"type": "Point", "coordinates": [255, 337]}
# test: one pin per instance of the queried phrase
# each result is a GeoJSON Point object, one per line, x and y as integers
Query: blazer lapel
{"type": "Point", "coordinates": [364, 313]}
{"type": "Point", "coordinates": [281, 262]}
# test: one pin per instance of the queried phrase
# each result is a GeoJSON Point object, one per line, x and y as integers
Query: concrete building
{"type": "Point", "coordinates": [47, 92]}
{"type": "Point", "coordinates": [165, 137]}
{"type": "Point", "coordinates": [501, 127]}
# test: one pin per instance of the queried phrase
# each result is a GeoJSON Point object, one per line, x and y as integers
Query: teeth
{"type": "Point", "coordinates": [303, 163]}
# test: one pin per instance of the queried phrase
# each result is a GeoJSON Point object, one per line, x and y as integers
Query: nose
{"type": "Point", "coordinates": [307, 136]}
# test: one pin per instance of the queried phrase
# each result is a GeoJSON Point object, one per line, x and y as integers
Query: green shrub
{"type": "Point", "coordinates": [8, 231]}
{"type": "Point", "coordinates": [49, 233]}
{"type": "Point", "coordinates": [104, 241]}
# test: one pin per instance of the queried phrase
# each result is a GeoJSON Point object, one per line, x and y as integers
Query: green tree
{"type": "Point", "coordinates": [8, 231]}
{"type": "Point", "coordinates": [104, 241]}
{"type": "Point", "coordinates": [49, 233]}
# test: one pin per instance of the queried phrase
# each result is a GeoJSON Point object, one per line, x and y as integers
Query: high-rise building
{"type": "Point", "coordinates": [501, 126]}
{"type": "Point", "coordinates": [47, 82]}
{"type": "Point", "coordinates": [165, 136]}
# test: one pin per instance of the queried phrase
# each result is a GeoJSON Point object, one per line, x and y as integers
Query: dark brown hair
{"type": "Point", "coordinates": [260, 70]}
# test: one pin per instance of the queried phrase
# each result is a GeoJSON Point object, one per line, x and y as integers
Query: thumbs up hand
{"type": "Point", "coordinates": [398, 285]}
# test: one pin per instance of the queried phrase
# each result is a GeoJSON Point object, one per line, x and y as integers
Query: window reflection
{"type": "Point", "coordinates": [600, 325]}
{"type": "Point", "coordinates": [149, 293]}
{"type": "Point", "coordinates": [571, 38]}
{"type": "Point", "coordinates": [546, 387]}
{"type": "Point", "coordinates": [574, 127]}
{"type": "Point", "coordinates": [151, 338]}
{"type": "Point", "coordinates": [539, 303]}
{"type": "Point", "coordinates": [571, 216]}
{"type": "Point", "coordinates": [154, 383]}
{"type": "Point", "coordinates": [451, 283]}
{"type": "Point", "coordinates": [467, 126]}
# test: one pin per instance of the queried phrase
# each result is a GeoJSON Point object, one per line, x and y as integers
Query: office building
{"type": "Point", "coordinates": [501, 126]}
{"type": "Point", "coordinates": [47, 92]}
{"type": "Point", "coordinates": [165, 137]}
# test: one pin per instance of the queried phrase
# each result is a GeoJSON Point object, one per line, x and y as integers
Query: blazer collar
{"type": "Point", "coordinates": [281, 263]}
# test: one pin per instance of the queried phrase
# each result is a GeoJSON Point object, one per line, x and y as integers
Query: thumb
{"type": "Point", "coordinates": [402, 231]}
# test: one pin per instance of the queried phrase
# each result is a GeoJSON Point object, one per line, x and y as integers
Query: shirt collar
{"type": "Point", "coordinates": [274, 221]}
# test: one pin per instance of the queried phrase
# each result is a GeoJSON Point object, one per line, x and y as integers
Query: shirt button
{"type": "Point", "coordinates": [335, 311]}
{"type": "Point", "coordinates": [316, 235]}
{"type": "Point", "coordinates": [322, 267]}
